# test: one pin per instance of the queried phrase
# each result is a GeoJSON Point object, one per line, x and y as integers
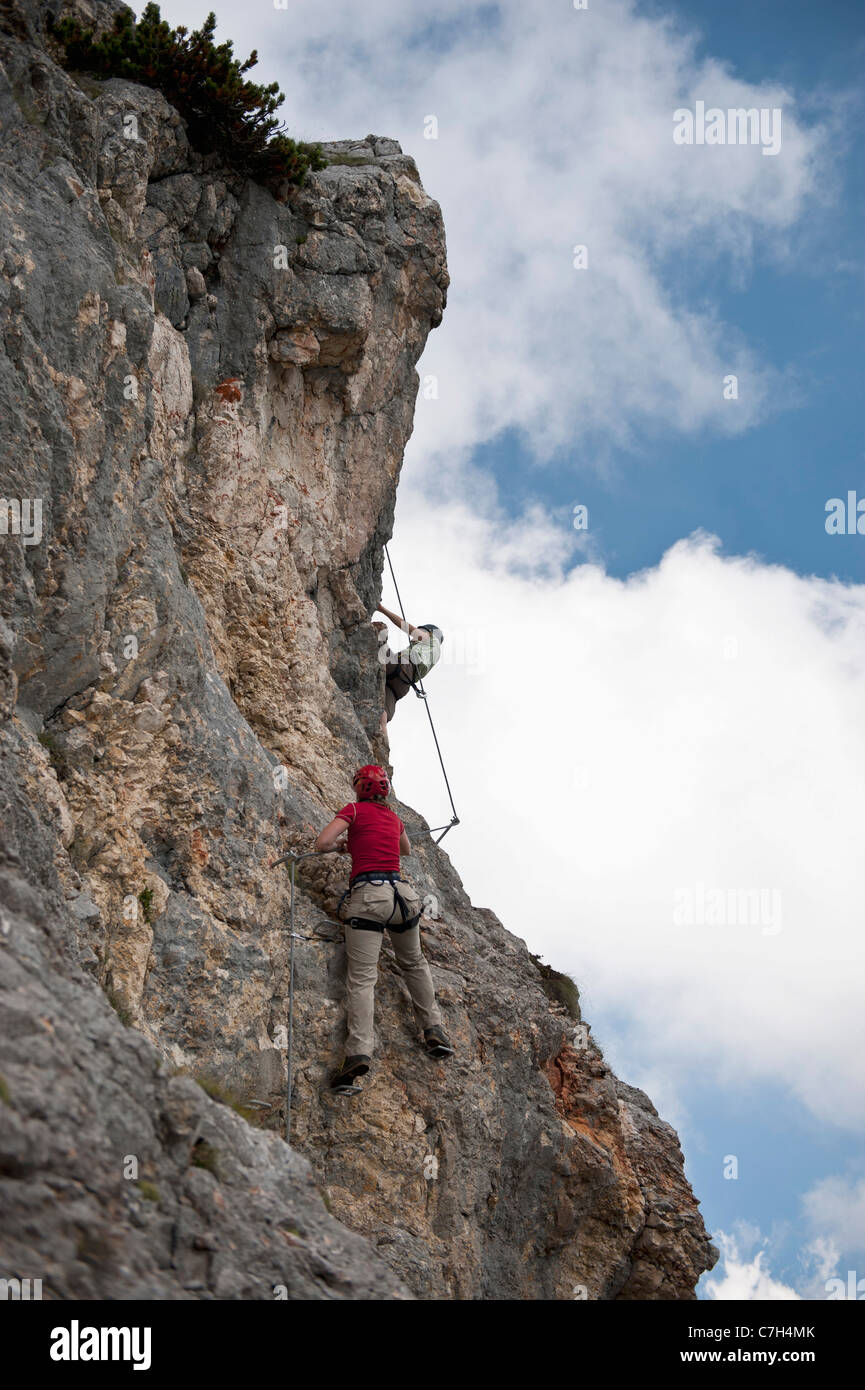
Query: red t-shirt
{"type": "Point", "coordinates": [373, 836]}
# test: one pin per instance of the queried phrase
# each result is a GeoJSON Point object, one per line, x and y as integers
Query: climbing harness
{"type": "Point", "coordinates": [369, 923]}
{"type": "Point", "coordinates": [417, 687]}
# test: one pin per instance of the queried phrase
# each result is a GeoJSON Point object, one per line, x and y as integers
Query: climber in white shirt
{"type": "Point", "coordinates": [404, 668]}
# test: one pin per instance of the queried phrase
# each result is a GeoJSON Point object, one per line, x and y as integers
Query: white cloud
{"type": "Point", "coordinates": [613, 745]}
{"type": "Point", "coordinates": [742, 1278]}
{"type": "Point", "coordinates": [820, 1258]}
{"type": "Point", "coordinates": [555, 129]}
{"type": "Point", "coordinates": [835, 1206]}
{"type": "Point", "coordinates": [742, 1273]}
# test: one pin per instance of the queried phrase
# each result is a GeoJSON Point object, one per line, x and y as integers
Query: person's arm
{"type": "Point", "coordinates": [328, 837]}
{"type": "Point", "coordinates": [415, 633]}
{"type": "Point", "coordinates": [404, 843]}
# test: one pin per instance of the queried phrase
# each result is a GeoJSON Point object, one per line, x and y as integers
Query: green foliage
{"type": "Point", "coordinates": [55, 756]}
{"type": "Point", "coordinates": [559, 987]}
{"type": "Point", "coordinates": [145, 897]}
{"type": "Point", "coordinates": [224, 112]}
{"type": "Point", "coordinates": [148, 1189]}
{"type": "Point", "coordinates": [217, 1090]}
{"type": "Point", "coordinates": [204, 1155]}
{"type": "Point", "coordinates": [121, 1009]}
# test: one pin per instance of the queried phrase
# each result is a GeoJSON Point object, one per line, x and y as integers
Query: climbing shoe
{"type": "Point", "coordinates": [436, 1043]}
{"type": "Point", "coordinates": [351, 1068]}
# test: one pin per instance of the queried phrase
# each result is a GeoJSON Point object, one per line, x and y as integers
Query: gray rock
{"type": "Point", "coordinates": [84, 908]}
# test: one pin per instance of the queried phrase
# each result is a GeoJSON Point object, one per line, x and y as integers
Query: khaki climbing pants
{"type": "Point", "coordinates": [363, 945]}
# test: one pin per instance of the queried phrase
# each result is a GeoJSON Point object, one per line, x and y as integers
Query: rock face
{"type": "Point", "coordinates": [209, 392]}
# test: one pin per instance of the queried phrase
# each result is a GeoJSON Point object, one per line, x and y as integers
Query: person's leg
{"type": "Point", "coordinates": [416, 973]}
{"type": "Point", "coordinates": [389, 708]}
{"type": "Point", "coordinates": [397, 686]}
{"type": "Point", "coordinates": [362, 951]}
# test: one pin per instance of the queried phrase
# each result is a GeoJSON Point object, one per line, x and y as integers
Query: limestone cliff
{"type": "Point", "coordinates": [210, 391]}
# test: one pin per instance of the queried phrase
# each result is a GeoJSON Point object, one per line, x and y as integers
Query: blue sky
{"type": "Point", "coordinates": [684, 681]}
{"type": "Point", "coordinates": [764, 490]}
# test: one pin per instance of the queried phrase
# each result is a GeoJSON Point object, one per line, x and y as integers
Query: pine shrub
{"type": "Point", "coordinates": [225, 113]}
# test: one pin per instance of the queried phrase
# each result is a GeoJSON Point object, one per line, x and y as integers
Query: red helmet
{"type": "Point", "coordinates": [370, 782]}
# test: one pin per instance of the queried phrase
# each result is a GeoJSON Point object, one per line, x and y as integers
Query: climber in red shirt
{"type": "Point", "coordinates": [378, 898]}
